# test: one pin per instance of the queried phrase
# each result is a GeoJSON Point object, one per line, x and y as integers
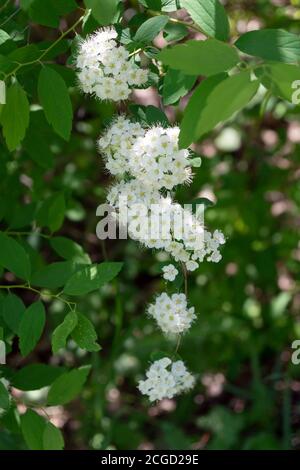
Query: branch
{"type": "Point", "coordinates": [45, 52]}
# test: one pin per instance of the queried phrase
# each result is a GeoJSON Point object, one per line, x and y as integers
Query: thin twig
{"type": "Point", "coordinates": [71, 305]}
{"type": "Point", "coordinates": [184, 23]}
{"type": "Point", "coordinates": [185, 275]}
{"type": "Point", "coordinates": [135, 52]}
{"type": "Point", "coordinates": [4, 6]}
{"type": "Point", "coordinates": [8, 232]}
{"type": "Point", "coordinates": [10, 17]}
{"type": "Point", "coordinates": [45, 52]}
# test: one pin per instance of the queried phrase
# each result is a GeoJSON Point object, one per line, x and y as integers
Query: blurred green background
{"type": "Point", "coordinates": [247, 391]}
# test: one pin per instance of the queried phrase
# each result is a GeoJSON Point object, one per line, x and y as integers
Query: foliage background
{"type": "Point", "coordinates": [247, 393]}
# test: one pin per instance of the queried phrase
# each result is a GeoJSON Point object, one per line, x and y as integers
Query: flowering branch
{"type": "Point", "coordinates": [148, 162]}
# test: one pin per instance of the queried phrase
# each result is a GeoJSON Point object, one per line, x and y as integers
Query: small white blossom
{"type": "Point", "coordinates": [192, 265]}
{"type": "Point", "coordinates": [170, 272]}
{"type": "Point", "coordinates": [218, 236]}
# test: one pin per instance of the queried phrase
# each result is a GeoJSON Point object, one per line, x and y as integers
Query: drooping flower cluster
{"type": "Point", "coordinates": [166, 379]}
{"type": "Point", "coordinates": [156, 221]}
{"type": "Point", "coordinates": [148, 164]}
{"type": "Point", "coordinates": [172, 313]}
{"type": "Point", "coordinates": [149, 160]}
{"type": "Point", "coordinates": [105, 68]}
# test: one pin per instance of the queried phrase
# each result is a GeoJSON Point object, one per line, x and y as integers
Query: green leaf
{"type": "Point", "coordinates": [36, 376]}
{"type": "Point", "coordinates": [200, 57]}
{"type": "Point", "coordinates": [52, 212]}
{"type": "Point", "coordinates": [13, 310]}
{"type": "Point", "coordinates": [53, 275]}
{"type": "Point", "coordinates": [33, 426]}
{"type": "Point", "coordinates": [155, 116]}
{"type": "Point", "coordinates": [22, 216]}
{"type": "Point", "coordinates": [69, 250]}
{"type": "Point", "coordinates": [15, 116]}
{"type": "Point", "coordinates": [279, 304]}
{"type": "Point", "coordinates": [48, 12]}
{"type": "Point", "coordinates": [52, 438]}
{"type": "Point", "coordinates": [56, 212]}
{"type": "Point", "coordinates": [25, 54]}
{"type": "Point", "coordinates": [170, 5]}
{"type": "Point", "coordinates": [37, 140]}
{"type": "Point", "coordinates": [175, 32]}
{"type": "Point", "coordinates": [4, 397]}
{"type": "Point", "coordinates": [152, 4]}
{"type": "Point", "coordinates": [13, 257]}
{"type": "Point", "coordinates": [192, 111]}
{"type": "Point", "coordinates": [2, 95]}
{"type": "Point", "coordinates": [67, 386]}
{"type": "Point", "coordinates": [25, 4]}
{"type": "Point", "coordinates": [214, 101]}
{"type": "Point", "coordinates": [31, 327]}
{"type": "Point", "coordinates": [92, 277]}
{"type": "Point", "coordinates": [53, 51]}
{"type": "Point", "coordinates": [195, 162]}
{"type": "Point", "coordinates": [61, 333]}
{"type": "Point", "coordinates": [104, 11]}
{"type": "Point", "coordinates": [210, 15]}
{"type": "Point", "coordinates": [149, 115]}
{"type": "Point", "coordinates": [64, 7]}
{"type": "Point", "coordinates": [279, 78]}
{"type": "Point", "coordinates": [84, 334]}
{"type": "Point", "coordinates": [271, 44]}
{"type": "Point", "coordinates": [176, 85]}
{"type": "Point", "coordinates": [54, 98]}
{"type": "Point", "coordinates": [150, 29]}
{"type": "Point", "coordinates": [4, 36]}
{"type": "Point", "coordinates": [158, 355]}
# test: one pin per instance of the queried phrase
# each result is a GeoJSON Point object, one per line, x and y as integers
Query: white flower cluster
{"type": "Point", "coordinates": [156, 221]}
{"type": "Point", "coordinates": [172, 313]}
{"type": "Point", "coordinates": [166, 379]}
{"type": "Point", "coordinates": [105, 68]}
{"type": "Point", "coordinates": [150, 155]}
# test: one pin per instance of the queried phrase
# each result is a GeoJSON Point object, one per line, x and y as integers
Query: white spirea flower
{"type": "Point", "coordinates": [166, 379]}
{"type": "Point", "coordinates": [172, 313]}
{"type": "Point", "coordinates": [105, 68]}
{"type": "Point", "coordinates": [169, 272]}
{"type": "Point", "coordinates": [192, 265]}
